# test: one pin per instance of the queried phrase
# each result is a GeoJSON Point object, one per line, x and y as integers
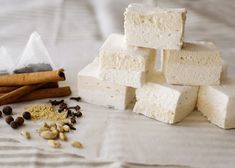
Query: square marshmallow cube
{"type": "Point", "coordinates": [198, 63]}
{"type": "Point", "coordinates": [123, 64]}
{"type": "Point", "coordinates": [116, 54]}
{"type": "Point", "coordinates": [154, 27]}
{"type": "Point", "coordinates": [95, 91]}
{"type": "Point", "coordinates": [217, 103]}
{"type": "Point", "coordinates": [164, 102]}
{"type": "Point", "coordinates": [133, 79]}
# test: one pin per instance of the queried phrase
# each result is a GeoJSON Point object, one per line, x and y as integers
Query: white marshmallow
{"type": "Point", "coordinates": [224, 73]}
{"type": "Point", "coordinates": [164, 102]}
{"type": "Point", "coordinates": [133, 79]}
{"type": "Point", "coordinates": [95, 91]}
{"type": "Point", "coordinates": [151, 27]}
{"type": "Point", "coordinates": [115, 54]}
{"type": "Point", "coordinates": [123, 64]}
{"type": "Point", "coordinates": [217, 103]}
{"type": "Point", "coordinates": [198, 63]}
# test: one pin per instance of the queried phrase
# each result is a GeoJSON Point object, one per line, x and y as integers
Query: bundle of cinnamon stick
{"type": "Point", "coordinates": [32, 86]}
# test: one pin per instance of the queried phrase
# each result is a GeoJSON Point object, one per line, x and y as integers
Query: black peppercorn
{"type": "Point", "coordinates": [9, 119]}
{"type": "Point", "coordinates": [7, 110]}
{"type": "Point", "coordinates": [26, 115]}
{"type": "Point", "coordinates": [14, 125]}
{"type": "Point", "coordinates": [19, 121]}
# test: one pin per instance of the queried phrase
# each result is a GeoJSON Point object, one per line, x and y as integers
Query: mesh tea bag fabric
{"type": "Point", "coordinates": [6, 62]}
{"type": "Point", "coordinates": [35, 57]}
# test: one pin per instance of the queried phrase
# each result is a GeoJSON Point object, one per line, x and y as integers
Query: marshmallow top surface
{"type": "Point", "coordinates": [157, 78]}
{"type": "Point", "coordinates": [148, 10]}
{"type": "Point", "coordinates": [156, 89]}
{"type": "Point", "coordinates": [164, 102]}
{"type": "Point", "coordinates": [116, 42]}
{"type": "Point", "coordinates": [91, 70]}
{"type": "Point", "coordinates": [154, 27]}
{"type": "Point", "coordinates": [198, 53]}
{"type": "Point", "coordinates": [217, 103]}
{"type": "Point", "coordinates": [199, 46]}
{"type": "Point", "coordinates": [227, 87]}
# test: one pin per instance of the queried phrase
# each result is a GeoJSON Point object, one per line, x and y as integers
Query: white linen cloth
{"type": "Point", "coordinates": [73, 35]}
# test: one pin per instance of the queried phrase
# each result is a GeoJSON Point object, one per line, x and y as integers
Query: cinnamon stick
{"type": "Point", "coordinates": [32, 78]}
{"type": "Point", "coordinates": [6, 89]}
{"type": "Point", "coordinates": [45, 93]}
{"type": "Point", "coordinates": [16, 94]}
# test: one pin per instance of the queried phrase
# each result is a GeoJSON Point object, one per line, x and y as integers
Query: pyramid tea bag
{"type": "Point", "coordinates": [35, 57]}
{"type": "Point", "coordinates": [6, 62]}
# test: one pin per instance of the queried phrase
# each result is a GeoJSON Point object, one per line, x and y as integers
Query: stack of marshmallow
{"type": "Point", "coordinates": [189, 78]}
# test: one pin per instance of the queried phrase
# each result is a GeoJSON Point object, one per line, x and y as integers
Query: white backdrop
{"type": "Point", "coordinates": [73, 31]}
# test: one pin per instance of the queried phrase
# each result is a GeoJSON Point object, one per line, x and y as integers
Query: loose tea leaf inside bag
{"type": "Point", "coordinates": [35, 57]}
{"type": "Point", "coordinates": [6, 62]}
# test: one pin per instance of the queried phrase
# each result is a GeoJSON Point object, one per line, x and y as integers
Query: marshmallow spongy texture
{"type": "Point", "coordinates": [198, 63]}
{"type": "Point", "coordinates": [95, 91]}
{"type": "Point", "coordinates": [217, 103]}
{"type": "Point", "coordinates": [123, 64]}
{"type": "Point", "coordinates": [116, 54]}
{"type": "Point", "coordinates": [151, 27]}
{"type": "Point", "coordinates": [133, 79]}
{"type": "Point", "coordinates": [166, 103]}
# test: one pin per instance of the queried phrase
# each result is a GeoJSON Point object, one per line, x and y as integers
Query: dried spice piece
{"type": "Point", "coordinates": [26, 115]}
{"type": "Point", "coordinates": [7, 110]}
{"type": "Point", "coordinates": [77, 108]}
{"type": "Point", "coordinates": [69, 113]}
{"type": "Point", "coordinates": [62, 107]}
{"type": "Point", "coordinates": [56, 102]}
{"type": "Point", "coordinates": [66, 128]}
{"type": "Point", "coordinates": [62, 136]}
{"type": "Point", "coordinates": [14, 125]}
{"type": "Point", "coordinates": [9, 119]}
{"type": "Point", "coordinates": [77, 114]}
{"type": "Point", "coordinates": [60, 128]}
{"type": "Point", "coordinates": [76, 144]}
{"type": "Point", "coordinates": [49, 134]}
{"type": "Point", "coordinates": [26, 134]}
{"type": "Point", "coordinates": [70, 126]}
{"type": "Point", "coordinates": [76, 98]}
{"type": "Point", "coordinates": [19, 121]}
{"type": "Point", "coordinates": [73, 120]}
{"type": "Point", "coordinates": [54, 143]}
{"type": "Point", "coordinates": [46, 112]}
{"type": "Point", "coordinates": [45, 127]}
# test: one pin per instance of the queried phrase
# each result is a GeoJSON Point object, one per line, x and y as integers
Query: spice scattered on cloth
{"type": "Point", "coordinates": [46, 111]}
